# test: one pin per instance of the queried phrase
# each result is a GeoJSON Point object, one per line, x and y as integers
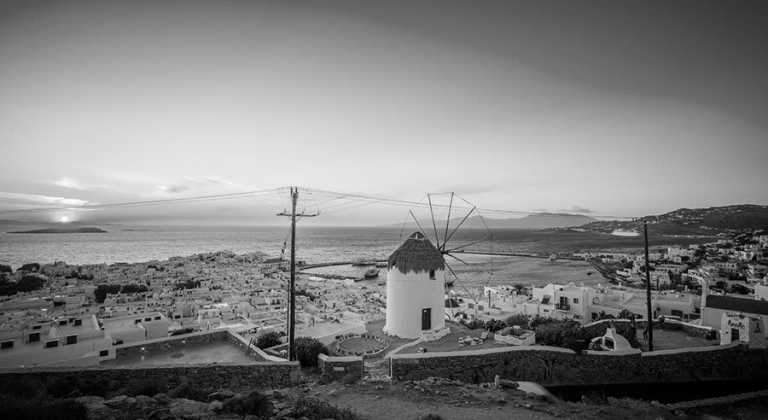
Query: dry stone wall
{"type": "Point", "coordinates": [555, 366]}
{"type": "Point", "coordinates": [204, 377]}
{"type": "Point", "coordinates": [336, 368]}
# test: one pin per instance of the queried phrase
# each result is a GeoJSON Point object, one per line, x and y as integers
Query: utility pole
{"type": "Point", "coordinates": [292, 286]}
{"type": "Point", "coordinates": [648, 290]}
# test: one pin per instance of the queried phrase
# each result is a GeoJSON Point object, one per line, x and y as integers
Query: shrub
{"type": "Point", "coordinates": [430, 416]}
{"type": "Point", "coordinates": [268, 340]}
{"type": "Point", "coordinates": [519, 319]}
{"type": "Point", "coordinates": [495, 325]}
{"type": "Point", "coordinates": [475, 324]}
{"type": "Point", "coordinates": [315, 409]}
{"type": "Point", "coordinates": [566, 333]}
{"type": "Point", "coordinates": [255, 404]}
{"type": "Point", "coordinates": [307, 350]}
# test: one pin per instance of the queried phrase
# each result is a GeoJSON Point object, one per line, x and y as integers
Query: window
{"type": "Point", "coordinates": [6, 345]}
{"type": "Point", "coordinates": [63, 322]}
{"type": "Point", "coordinates": [51, 344]}
{"type": "Point", "coordinates": [71, 339]}
{"type": "Point", "coordinates": [148, 319]}
{"type": "Point", "coordinates": [36, 327]}
{"type": "Point", "coordinates": [117, 342]}
{"type": "Point", "coordinates": [575, 300]}
{"type": "Point", "coordinates": [78, 322]}
{"type": "Point", "coordinates": [157, 318]}
{"type": "Point", "coordinates": [104, 353]}
{"type": "Point", "coordinates": [137, 321]}
{"type": "Point", "coordinates": [34, 337]}
{"type": "Point", "coordinates": [432, 274]}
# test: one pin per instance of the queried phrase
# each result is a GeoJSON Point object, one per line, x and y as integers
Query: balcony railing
{"type": "Point", "coordinates": [563, 307]}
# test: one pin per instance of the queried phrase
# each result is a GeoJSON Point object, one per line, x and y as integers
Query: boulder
{"type": "Point", "coordinates": [221, 395]}
{"type": "Point", "coordinates": [216, 405]}
{"type": "Point", "coordinates": [120, 401]}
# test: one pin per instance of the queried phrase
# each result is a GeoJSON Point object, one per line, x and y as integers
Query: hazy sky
{"type": "Point", "coordinates": [619, 107]}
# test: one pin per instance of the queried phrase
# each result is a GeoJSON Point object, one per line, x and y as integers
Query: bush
{"type": "Point", "coordinates": [475, 324]}
{"type": "Point", "coordinates": [255, 403]}
{"type": "Point", "coordinates": [519, 319]}
{"type": "Point", "coordinates": [430, 416]}
{"type": "Point", "coordinates": [495, 325]}
{"type": "Point", "coordinates": [268, 340]}
{"type": "Point", "coordinates": [307, 350]}
{"type": "Point", "coordinates": [568, 334]}
{"type": "Point", "coordinates": [315, 409]}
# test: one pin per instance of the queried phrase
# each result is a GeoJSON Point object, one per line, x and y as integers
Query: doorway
{"type": "Point", "coordinates": [426, 319]}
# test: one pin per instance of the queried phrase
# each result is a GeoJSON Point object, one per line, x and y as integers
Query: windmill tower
{"type": "Point", "coordinates": [417, 278]}
{"type": "Point", "coordinates": [415, 288]}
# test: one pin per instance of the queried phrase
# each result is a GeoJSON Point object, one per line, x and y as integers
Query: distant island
{"type": "Point", "coordinates": [64, 230]}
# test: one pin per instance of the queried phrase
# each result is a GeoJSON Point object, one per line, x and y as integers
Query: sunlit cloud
{"type": "Point", "coordinates": [70, 183]}
{"type": "Point", "coordinates": [20, 198]}
{"type": "Point", "coordinates": [200, 184]}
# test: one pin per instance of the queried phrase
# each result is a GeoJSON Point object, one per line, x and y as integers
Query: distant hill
{"type": "Point", "coordinates": [64, 230]}
{"type": "Point", "coordinates": [531, 222]}
{"type": "Point", "coordinates": [703, 221]}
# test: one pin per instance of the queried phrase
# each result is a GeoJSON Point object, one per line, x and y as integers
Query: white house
{"type": "Point", "coordinates": [415, 289]}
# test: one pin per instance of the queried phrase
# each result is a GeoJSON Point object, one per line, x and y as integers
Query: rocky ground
{"type": "Point", "coordinates": [372, 400]}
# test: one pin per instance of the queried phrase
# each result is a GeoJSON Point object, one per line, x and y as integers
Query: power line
{"type": "Point", "coordinates": [348, 199]}
{"type": "Point", "coordinates": [97, 206]}
{"type": "Point", "coordinates": [409, 203]}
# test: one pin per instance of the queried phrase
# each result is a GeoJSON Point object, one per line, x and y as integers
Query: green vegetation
{"type": "Point", "coordinates": [307, 350]}
{"type": "Point", "coordinates": [268, 340]}
{"type": "Point", "coordinates": [315, 409]}
{"type": "Point", "coordinates": [28, 283]}
{"type": "Point", "coordinates": [103, 290]}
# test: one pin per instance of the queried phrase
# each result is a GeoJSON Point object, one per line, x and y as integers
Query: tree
{"type": "Point", "coordinates": [30, 282]}
{"type": "Point", "coordinates": [307, 350]}
{"type": "Point", "coordinates": [519, 319]}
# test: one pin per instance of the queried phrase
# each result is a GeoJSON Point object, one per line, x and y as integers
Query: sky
{"type": "Point", "coordinates": [600, 107]}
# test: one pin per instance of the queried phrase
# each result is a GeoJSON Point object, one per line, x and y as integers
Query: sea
{"type": "Point", "coordinates": [326, 244]}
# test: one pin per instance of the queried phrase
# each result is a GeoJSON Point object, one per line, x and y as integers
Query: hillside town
{"type": "Point", "coordinates": [58, 314]}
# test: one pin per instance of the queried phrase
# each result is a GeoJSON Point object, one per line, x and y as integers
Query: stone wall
{"type": "Point", "coordinates": [557, 366]}
{"type": "Point", "coordinates": [335, 368]}
{"type": "Point", "coordinates": [204, 377]}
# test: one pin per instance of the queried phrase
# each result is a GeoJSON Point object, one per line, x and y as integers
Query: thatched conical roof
{"type": "Point", "coordinates": [416, 254]}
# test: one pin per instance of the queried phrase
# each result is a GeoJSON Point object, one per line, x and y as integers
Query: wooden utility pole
{"type": "Point", "coordinates": [648, 290]}
{"type": "Point", "coordinates": [292, 286]}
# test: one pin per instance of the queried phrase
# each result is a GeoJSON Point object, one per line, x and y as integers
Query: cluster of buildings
{"type": "Point", "coordinates": [75, 320]}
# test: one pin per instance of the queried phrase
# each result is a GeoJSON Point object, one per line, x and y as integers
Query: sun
{"type": "Point", "coordinates": [64, 219]}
